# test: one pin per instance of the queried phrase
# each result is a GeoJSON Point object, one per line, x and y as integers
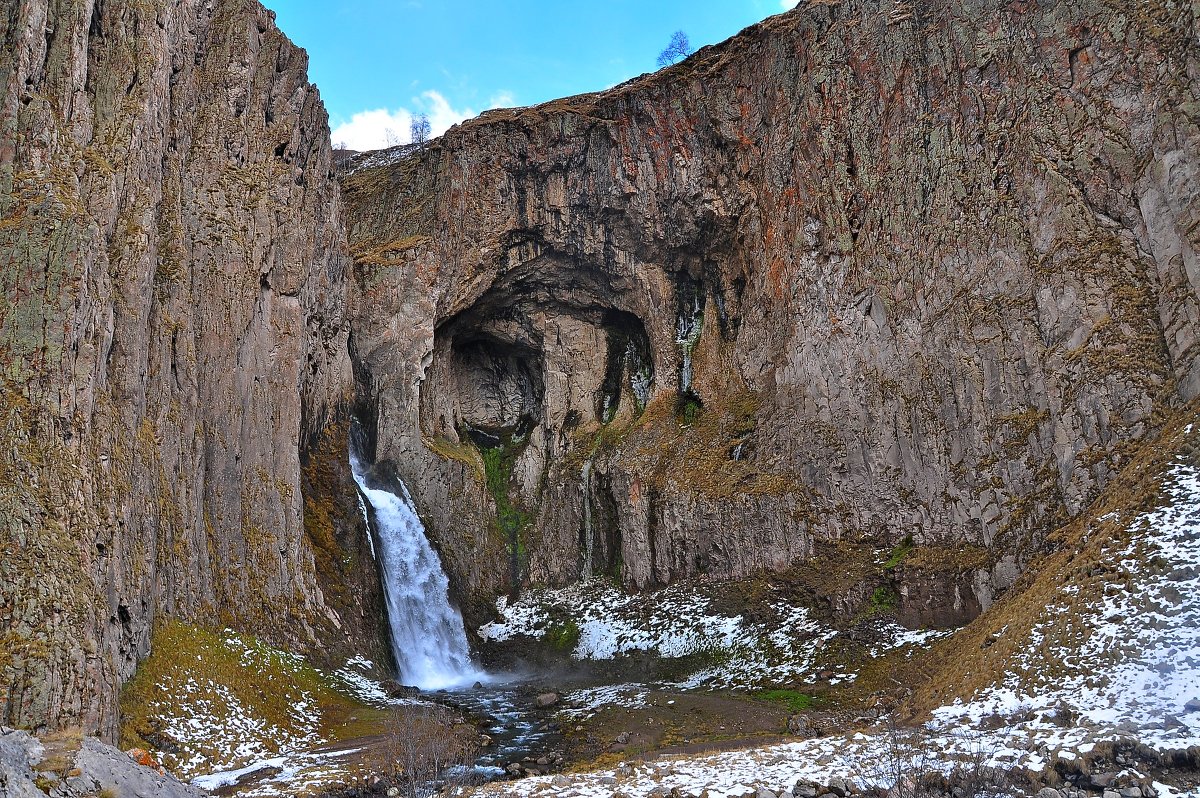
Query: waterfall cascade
{"type": "Point", "coordinates": [687, 333]}
{"type": "Point", "coordinates": [589, 535]}
{"type": "Point", "coordinates": [428, 638]}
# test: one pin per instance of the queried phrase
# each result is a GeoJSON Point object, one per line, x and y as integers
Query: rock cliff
{"type": "Point", "coordinates": [882, 272]}
{"type": "Point", "coordinates": [904, 278]}
{"type": "Point", "coordinates": [172, 346]}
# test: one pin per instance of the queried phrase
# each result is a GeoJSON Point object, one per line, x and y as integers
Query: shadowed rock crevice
{"type": "Point", "coordinates": [629, 369]}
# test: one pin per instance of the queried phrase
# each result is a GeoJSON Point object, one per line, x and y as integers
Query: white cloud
{"type": "Point", "coordinates": [502, 99]}
{"type": "Point", "coordinates": [370, 130]}
{"type": "Point", "coordinates": [441, 116]}
{"type": "Point", "coordinates": [788, 5]}
{"type": "Point", "coordinates": [381, 127]}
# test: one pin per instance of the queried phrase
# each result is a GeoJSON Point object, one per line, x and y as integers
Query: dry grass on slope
{"type": "Point", "coordinates": [1031, 640]}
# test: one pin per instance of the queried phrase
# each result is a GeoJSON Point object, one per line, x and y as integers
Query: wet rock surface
{"type": "Point", "coordinates": [863, 272]}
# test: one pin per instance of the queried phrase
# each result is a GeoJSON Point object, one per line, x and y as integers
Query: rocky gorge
{"type": "Point", "coordinates": [872, 302]}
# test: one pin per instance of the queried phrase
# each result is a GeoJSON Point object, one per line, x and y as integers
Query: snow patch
{"type": "Point", "coordinates": [684, 620]}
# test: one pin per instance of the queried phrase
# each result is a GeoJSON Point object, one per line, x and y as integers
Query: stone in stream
{"type": "Point", "coordinates": [545, 700]}
{"type": "Point", "coordinates": [394, 689]}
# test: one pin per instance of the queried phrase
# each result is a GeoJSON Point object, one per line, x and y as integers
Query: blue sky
{"type": "Point", "coordinates": [378, 62]}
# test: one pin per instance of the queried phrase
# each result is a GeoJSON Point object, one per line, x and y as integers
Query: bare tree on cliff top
{"type": "Point", "coordinates": [678, 48]}
{"type": "Point", "coordinates": [420, 129]}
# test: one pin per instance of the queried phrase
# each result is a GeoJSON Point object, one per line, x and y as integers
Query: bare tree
{"type": "Point", "coordinates": [430, 751]}
{"type": "Point", "coordinates": [342, 155]}
{"type": "Point", "coordinates": [677, 49]}
{"type": "Point", "coordinates": [391, 137]}
{"type": "Point", "coordinates": [420, 129]}
{"type": "Point", "coordinates": [908, 764]}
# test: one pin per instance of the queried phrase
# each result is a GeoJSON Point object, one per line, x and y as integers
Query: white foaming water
{"type": "Point", "coordinates": [589, 537]}
{"type": "Point", "coordinates": [428, 638]}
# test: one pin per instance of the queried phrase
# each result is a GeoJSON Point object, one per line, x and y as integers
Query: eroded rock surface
{"type": "Point", "coordinates": [172, 336]}
{"type": "Point", "coordinates": [86, 767]}
{"type": "Point", "coordinates": [867, 271]}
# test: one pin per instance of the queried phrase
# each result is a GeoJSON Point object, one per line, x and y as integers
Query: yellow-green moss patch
{"type": "Point", "coordinates": [207, 700]}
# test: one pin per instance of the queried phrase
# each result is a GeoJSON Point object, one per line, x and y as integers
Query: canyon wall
{"type": "Point", "coordinates": [172, 348]}
{"type": "Point", "coordinates": [882, 273]}
{"type": "Point", "coordinates": [866, 274]}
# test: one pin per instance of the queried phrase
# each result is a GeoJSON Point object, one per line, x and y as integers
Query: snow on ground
{"type": "Point", "coordinates": [1135, 676]}
{"type": "Point", "coordinates": [292, 774]}
{"type": "Point", "coordinates": [580, 704]}
{"type": "Point", "coordinates": [220, 741]}
{"type": "Point", "coordinates": [1139, 668]}
{"type": "Point", "coordinates": [352, 679]}
{"type": "Point", "coordinates": [213, 730]}
{"type": "Point", "coordinates": [610, 622]}
{"type": "Point", "coordinates": [862, 759]}
{"type": "Point", "coordinates": [785, 650]}
{"type": "Point", "coordinates": [896, 636]}
{"type": "Point", "coordinates": [682, 621]}
{"type": "Point", "coordinates": [377, 158]}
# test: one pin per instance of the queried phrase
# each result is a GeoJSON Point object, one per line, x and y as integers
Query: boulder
{"type": "Point", "coordinates": [394, 689]}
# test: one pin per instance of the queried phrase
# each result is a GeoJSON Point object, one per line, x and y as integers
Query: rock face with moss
{"type": "Point", "coordinates": [172, 336]}
{"type": "Point", "coordinates": [867, 271]}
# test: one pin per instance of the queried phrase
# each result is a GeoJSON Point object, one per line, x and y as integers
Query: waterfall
{"type": "Point", "coordinates": [589, 536]}
{"type": "Point", "coordinates": [428, 638]}
{"type": "Point", "coordinates": [687, 332]}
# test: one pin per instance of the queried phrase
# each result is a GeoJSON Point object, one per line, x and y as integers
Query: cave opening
{"type": "Point", "coordinates": [628, 361]}
{"type": "Point", "coordinates": [499, 386]}
{"type": "Point", "coordinates": [524, 375]}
